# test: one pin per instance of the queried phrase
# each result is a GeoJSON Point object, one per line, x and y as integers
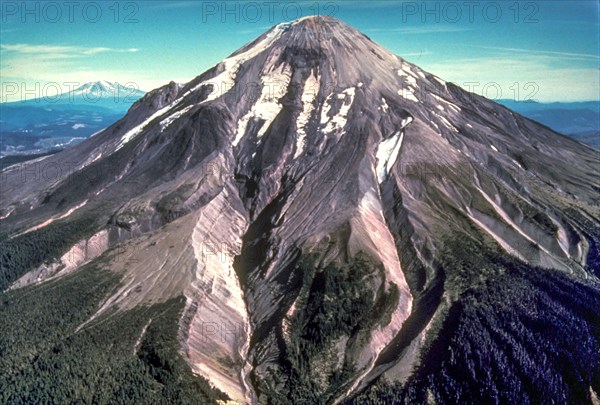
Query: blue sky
{"type": "Point", "coordinates": [543, 50]}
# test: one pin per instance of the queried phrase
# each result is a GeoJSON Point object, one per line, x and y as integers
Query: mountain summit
{"type": "Point", "coordinates": [102, 88]}
{"type": "Point", "coordinates": [111, 95]}
{"type": "Point", "coordinates": [344, 227]}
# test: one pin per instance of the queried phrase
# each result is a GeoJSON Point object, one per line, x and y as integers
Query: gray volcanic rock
{"type": "Point", "coordinates": [312, 139]}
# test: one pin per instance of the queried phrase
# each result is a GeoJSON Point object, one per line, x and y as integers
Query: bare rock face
{"type": "Point", "coordinates": [313, 142]}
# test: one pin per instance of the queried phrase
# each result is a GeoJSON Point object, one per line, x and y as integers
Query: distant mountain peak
{"type": "Point", "coordinates": [103, 88]}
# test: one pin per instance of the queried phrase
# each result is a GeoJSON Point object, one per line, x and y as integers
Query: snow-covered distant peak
{"type": "Point", "coordinates": [104, 88]}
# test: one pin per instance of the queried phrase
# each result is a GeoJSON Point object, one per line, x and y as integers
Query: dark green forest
{"type": "Point", "coordinates": [521, 335]}
{"type": "Point", "coordinates": [20, 254]}
{"type": "Point", "coordinates": [45, 359]}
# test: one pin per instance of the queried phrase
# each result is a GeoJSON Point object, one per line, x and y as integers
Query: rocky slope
{"type": "Point", "coordinates": [309, 196]}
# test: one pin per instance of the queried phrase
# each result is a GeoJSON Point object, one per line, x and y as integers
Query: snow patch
{"type": "Point", "coordinates": [384, 105]}
{"type": "Point", "coordinates": [437, 79]}
{"type": "Point", "coordinates": [494, 148]}
{"type": "Point", "coordinates": [446, 123]}
{"type": "Point", "coordinates": [167, 121]}
{"type": "Point", "coordinates": [299, 20]}
{"type": "Point", "coordinates": [309, 94]}
{"type": "Point", "coordinates": [267, 107]}
{"type": "Point", "coordinates": [408, 93]}
{"type": "Point", "coordinates": [338, 121]}
{"type": "Point", "coordinates": [406, 71]}
{"type": "Point", "coordinates": [388, 152]}
{"type": "Point", "coordinates": [443, 100]}
{"type": "Point", "coordinates": [325, 110]}
{"type": "Point", "coordinates": [135, 131]}
{"type": "Point", "coordinates": [225, 80]}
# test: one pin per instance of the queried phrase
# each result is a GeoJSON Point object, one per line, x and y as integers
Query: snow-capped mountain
{"type": "Point", "coordinates": [43, 124]}
{"type": "Point", "coordinates": [100, 95]}
{"type": "Point", "coordinates": [101, 87]}
{"type": "Point", "coordinates": [105, 94]}
{"type": "Point", "coordinates": [344, 227]}
{"type": "Point", "coordinates": [104, 89]}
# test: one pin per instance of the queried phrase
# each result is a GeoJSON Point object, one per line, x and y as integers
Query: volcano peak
{"type": "Point", "coordinates": [328, 209]}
